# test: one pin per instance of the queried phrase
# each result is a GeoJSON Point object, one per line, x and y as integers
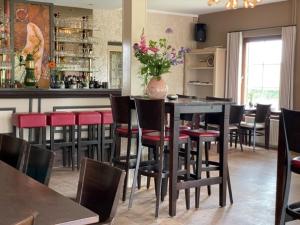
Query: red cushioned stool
{"type": "Point", "coordinates": [31, 121]}
{"type": "Point", "coordinates": [66, 120]}
{"type": "Point", "coordinates": [92, 120]}
{"type": "Point", "coordinates": [106, 137]}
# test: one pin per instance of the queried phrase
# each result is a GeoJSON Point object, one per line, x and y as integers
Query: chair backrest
{"type": "Point", "coordinates": [213, 118]}
{"type": "Point", "coordinates": [291, 126]}
{"type": "Point", "coordinates": [121, 109]}
{"type": "Point", "coordinates": [262, 113]}
{"type": "Point", "coordinates": [99, 188]}
{"type": "Point", "coordinates": [236, 114]}
{"type": "Point", "coordinates": [150, 113]}
{"type": "Point", "coordinates": [12, 150]}
{"type": "Point", "coordinates": [27, 221]}
{"type": "Point", "coordinates": [38, 164]}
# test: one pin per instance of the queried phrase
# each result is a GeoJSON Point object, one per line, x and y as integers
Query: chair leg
{"type": "Point", "coordinates": [250, 137]}
{"type": "Point", "coordinates": [240, 136]}
{"type": "Point", "coordinates": [159, 180]}
{"type": "Point", "coordinates": [229, 186]}
{"type": "Point", "coordinates": [99, 142]}
{"type": "Point", "coordinates": [235, 138]}
{"type": "Point", "coordinates": [198, 172]}
{"type": "Point", "coordinates": [102, 140]}
{"type": "Point", "coordinates": [187, 168]}
{"type": "Point", "coordinates": [230, 138]}
{"type": "Point", "coordinates": [207, 165]}
{"type": "Point", "coordinates": [126, 168]}
{"type": "Point", "coordinates": [286, 192]}
{"type": "Point", "coordinates": [136, 171]}
{"type": "Point", "coordinates": [114, 145]}
{"type": "Point", "coordinates": [254, 138]}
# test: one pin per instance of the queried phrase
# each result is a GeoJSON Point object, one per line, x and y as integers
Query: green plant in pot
{"type": "Point", "coordinates": [157, 58]}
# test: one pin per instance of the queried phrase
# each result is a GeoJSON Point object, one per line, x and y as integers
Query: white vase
{"type": "Point", "coordinates": [157, 88]}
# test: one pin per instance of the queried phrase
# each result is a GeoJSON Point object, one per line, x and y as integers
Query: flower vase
{"type": "Point", "coordinates": [157, 88]}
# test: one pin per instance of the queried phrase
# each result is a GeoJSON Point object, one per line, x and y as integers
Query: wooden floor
{"type": "Point", "coordinates": [253, 176]}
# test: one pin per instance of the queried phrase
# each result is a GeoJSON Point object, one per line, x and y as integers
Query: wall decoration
{"type": "Point", "coordinates": [32, 35]}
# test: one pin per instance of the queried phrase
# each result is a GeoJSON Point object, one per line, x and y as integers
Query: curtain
{"type": "Point", "coordinates": [234, 65]}
{"type": "Point", "coordinates": [287, 67]}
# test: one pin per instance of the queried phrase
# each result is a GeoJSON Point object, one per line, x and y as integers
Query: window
{"type": "Point", "coordinates": [262, 72]}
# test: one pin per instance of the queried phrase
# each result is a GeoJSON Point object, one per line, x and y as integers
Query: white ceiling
{"type": "Point", "coordinates": [193, 7]}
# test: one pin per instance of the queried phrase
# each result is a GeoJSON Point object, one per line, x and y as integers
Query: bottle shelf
{"type": "Point", "coordinates": [76, 41]}
{"type": "Point", "coordinates": [200, 83]}
{"type": "Point", "coordinates": [200, 67]}
{"type": "Point", "coordinates": [62, 55]}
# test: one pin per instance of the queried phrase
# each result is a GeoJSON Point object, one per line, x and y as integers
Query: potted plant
{"type": "Point", "coordinates": [156, 57]}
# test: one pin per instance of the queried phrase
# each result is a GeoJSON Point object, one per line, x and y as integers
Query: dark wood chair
{"type": "Point", "coordinates": [261, 120]}
{"type": "Point", "coordinates": [100, 188]}
{"type": "Point", "coordinates": [291, 127]}
{"type": "Point", "coordinates": [122, 128]}
{"type": "Point", "coordinates": [206, 136]}
{"type": "Point", "coordinates": [12, 150]}
{"type": "Point", "coordinates": [151, 116]}
{"type": "Point", "coordinates": [38, 164]}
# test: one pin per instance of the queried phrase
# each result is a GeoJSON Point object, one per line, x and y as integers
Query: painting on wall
{"type": "Point", "coordinates": [32, 35]}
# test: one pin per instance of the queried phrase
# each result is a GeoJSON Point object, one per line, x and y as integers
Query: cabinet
{"type": "Point", "coordinates": [204, 72]}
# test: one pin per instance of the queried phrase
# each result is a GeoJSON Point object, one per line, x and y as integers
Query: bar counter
{"type": "Point", "coordinates": [57, 93]}
{"type": "Point", "coordinates": [49, 100]}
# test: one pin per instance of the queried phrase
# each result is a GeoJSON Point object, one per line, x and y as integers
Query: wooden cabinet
{"type": "Point", "coordinates": [205, 72]}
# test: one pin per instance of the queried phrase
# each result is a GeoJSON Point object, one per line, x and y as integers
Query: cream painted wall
{"type": "Point", "coordinates": [110, 22]}
{"type": "Point", "coordinates": [182, 36]}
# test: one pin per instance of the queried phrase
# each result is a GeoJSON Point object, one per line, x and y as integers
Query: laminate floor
{"type": "Point", "coordinates": [253, 177]}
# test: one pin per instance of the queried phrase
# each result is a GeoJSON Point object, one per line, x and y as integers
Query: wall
{"type": "Point", "coordinates": [264, 16]}
{"type": "Point", "coordinates": [182, 36]}
{"type": "Point", "coordinates": [110, 23]}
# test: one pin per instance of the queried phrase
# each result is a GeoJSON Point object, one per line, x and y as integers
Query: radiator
{"type": "Point", "coordinates": [274, 131]}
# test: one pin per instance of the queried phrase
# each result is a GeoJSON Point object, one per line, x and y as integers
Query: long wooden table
{"type": "Point", "coordinates": [185, 106]}
{"type": "Point", "coordinates": [21, 196]}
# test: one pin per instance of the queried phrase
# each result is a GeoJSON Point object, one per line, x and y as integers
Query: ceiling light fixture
{"type": "Point", "coordinates": [233, 4]}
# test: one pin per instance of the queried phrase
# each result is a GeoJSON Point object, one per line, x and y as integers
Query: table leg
{"type": "Point", "coordinates": [224, 127]}
{"type": "Point", "coordinates": [174, 133]}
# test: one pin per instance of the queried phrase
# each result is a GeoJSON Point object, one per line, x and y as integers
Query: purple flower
{"type": "Point", "coordinates": [136, 47]}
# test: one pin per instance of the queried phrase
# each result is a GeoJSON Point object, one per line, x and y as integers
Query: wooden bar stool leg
{"type": "Point", "coordinates": [159, 180]}
{"type": "Point", "coordinates": [187, 168]}
{"type": "Point", "coordinates": [64, 150]}
{"type": "Point", "coordinates": [52, 138]}
{"type": "Point", "coordinates": [198, 171]}
{"type": "Point", "coordinates": [207, 165]}
{"type": "Point", "coordinates": [44, 137]}
{"type": "Point", "coordinates": [102, 139]}
{"type": "Point", "coordinates": [21, 133]}
{"type": "Point", "coordinates": [73, 141]}
{"type": "Point", "coordinates": [78, 146]}
{"type": "Point", "coordinates": [99, 142]}
{"type": "Point", "coordinates": [126, 167]}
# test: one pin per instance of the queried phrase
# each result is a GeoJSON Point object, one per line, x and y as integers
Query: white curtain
{"type": "Point", "coordinates": [234, 65]}
{"type": "Point", "coordinates": [287, 67]}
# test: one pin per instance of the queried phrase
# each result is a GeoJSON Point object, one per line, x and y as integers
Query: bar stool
{"type": "Point", "coordinates": [64, 120]}
{"type": "Point", "coordinates": [106, 123]}
{"type": "Point", "coordinates": [31, 121]}
{"type": "Point", "coordinates": [92, 120]}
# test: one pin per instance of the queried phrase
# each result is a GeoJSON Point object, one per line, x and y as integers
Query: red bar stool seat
{"type": "Point", "coordinates": [66, 120]}
{"type": "Point", "coordinates": [201, 133]}
{"type": "Point", "coordinates": [295, 165]}
{"type": "Point", "coordinates": [92, 120]}
{"type": "Point", "coordinates": [155, 136]}
{"type": "Point", "coordinates": [31, 121]}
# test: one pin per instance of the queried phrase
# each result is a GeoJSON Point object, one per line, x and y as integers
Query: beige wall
{"type": "Point", "coordinates": [270, 15]}
{"type": "Point", "coordinates": [182, 36]}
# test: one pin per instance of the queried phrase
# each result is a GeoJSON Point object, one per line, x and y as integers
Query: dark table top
{"type": "Point", "coordinates": [21, 196]}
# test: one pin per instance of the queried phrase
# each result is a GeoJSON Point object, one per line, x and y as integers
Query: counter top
{"type": "Point", "coordinates": [57, 93]}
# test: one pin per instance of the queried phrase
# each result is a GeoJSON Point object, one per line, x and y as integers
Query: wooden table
{"type": "Point", "coordinates": [185, 106]}
{"type": "Point", "coordinates": [20, 196]}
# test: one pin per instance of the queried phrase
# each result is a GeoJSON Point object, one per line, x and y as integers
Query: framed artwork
{"type": "Point", "coordinates": [32, 34]}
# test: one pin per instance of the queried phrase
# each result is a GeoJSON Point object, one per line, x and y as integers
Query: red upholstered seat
{"type": "Point", "coordinates": [29, 120]}
{"type": "Point", "coordinates": [123, 130]}
{"type": "Point", "coordinates": [88, 118]}
{"type": "Point", "coordinates": [155, 136]}
{"type": "Point", "coordinates": [201, 133]}
{"type": "Point", "coordinates": [181, 127]}
{"type": "Point", "coordinates": [57, 119]}
{"type": "Point", "coordinates": [296, 164]}
{"type": "Point", "coordinates": [107, 117]}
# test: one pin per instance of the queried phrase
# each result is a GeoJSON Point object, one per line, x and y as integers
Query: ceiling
{"type": "Point", "coordinates": [192, 7]}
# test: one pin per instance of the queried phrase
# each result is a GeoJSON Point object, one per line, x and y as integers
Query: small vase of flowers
{"type": "Point", "coordinates": [157, 58]}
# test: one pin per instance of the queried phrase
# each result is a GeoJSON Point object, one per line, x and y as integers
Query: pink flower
{"type": "Point", "coordinates": [144, 49]}
{"type": "Point", "coordinates": [155, 50]}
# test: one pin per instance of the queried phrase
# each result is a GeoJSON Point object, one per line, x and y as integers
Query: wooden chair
{"type": "Point", "coordinates": [27, 221]}
{"type": "Point", "coordinates": [255, 129]}
{"type": "Point", "coordinates": [12, 150]}
{"type": "Point", "coordinates": [38, 164]}
{"type": "Point", "coordinates": [151, 116]}
{"type": "Point", "coordinates": [100, 188]}
{"type": "Point", "coordinates": [122, 128]}
{"type": "Point", "coordinates": [291, 127]}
